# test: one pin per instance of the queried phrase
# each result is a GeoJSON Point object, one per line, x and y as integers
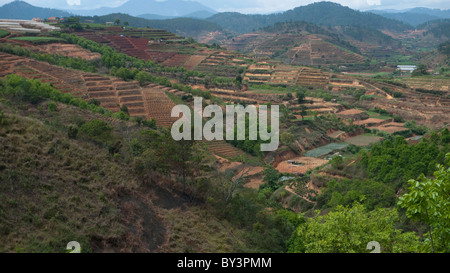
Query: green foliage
{"type": "Point", "coordinates": [52, 107]}
{"type": "Point", "coordinates": [427, 200]}
{"type": "Point", "coordinates": [398, 118]}
{"type": "Point", "coordinates": [398, 95]}
{"type": "Point", "coordinates": [337, 162]}
{"type": "Point", "coordinates": [416, 129]}
{"type": "Point", "coordinates": [75, 63]}
{"type": "Point", "coordinates": [121, 115]}
{"type": "Point", "coordinates": [4, 33]}
{"type": "Point", "coordinates": [73, 23]}
{"type": "Point", "coordinates": [72, 131]}
{"type": "Point", "coordinates": [444, 48]}
{"type": "Point", "coordinates": [370, 193]}
{"type": "Point", "coordinates": [300, 94]}
{"type": "Point", "coordinates": [97, 131]}
{"type": "Point", "coordinates": [150, 123]}
{"type": "Point", "coordinates": [272, 176]}
{"type": "Point", "coordinates": [252, 147]}
{"type": "Point", "coordinates": [22, 90]}
{"type": "Point", "coordinates": [124, 73]}
{"type": "Point", "coordinates": [420, 71]}
{"type": "Point", "coordinates": [395, 162]}
{"type": "Point", "coordinates": [266, 231]}
{"type": "Point", "coordinates": [287, 138]}
{"type": "Point", "coordinates": [350, 229]}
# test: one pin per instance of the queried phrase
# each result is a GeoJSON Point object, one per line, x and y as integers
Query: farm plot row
{"type": "Point", "coordinates": [66, 80]}
{"type": "Point", "coordinates": [224, 149]}
{"type": "Point", "coordinates": [68, 50]}
{"type": "Point", "coordinates": [135, 47]}
{"type": "Point", "coordinates": [159, 106]}
{"type": "Point", "coordinates": [428, 83]}
{"type": "Point", "coordinates": [325, 53]}
{"type": "Point", "coordinates": [112, 93]}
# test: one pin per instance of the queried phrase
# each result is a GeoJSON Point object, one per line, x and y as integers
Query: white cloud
{"type": "Point", "coordinates": [373, 2]}
{"type": "Point", "coordinates": [73, 2]}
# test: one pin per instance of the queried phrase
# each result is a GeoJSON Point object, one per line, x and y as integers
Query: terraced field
{"type": "Point", "coordinates": [135, 47]}
{"type": "Point", "coordinates": [221, 64]}
{"type": "Point", "coordinates": [66, 80]}
{"type": "Point", "coordinates": [323, 52]}
{"type": "Point", "coordinates": [112, 93]}
{"type": "Point", "coordinates": [312, 77]}
{"type": "Point", "coordinates": [68, 50]}
{"type": "Point", "coordinates": [146, 45]}
{"type": "Point", "coordinates": [318, 105]}
{"type": "Point", "coordinates": [285, 75]}
{"type": "Point", "coordinates": [428, 83]}
{"type": "Point", "coordinates": [224, 149]}
{"type": "Point", "coordinates": [158, 105]}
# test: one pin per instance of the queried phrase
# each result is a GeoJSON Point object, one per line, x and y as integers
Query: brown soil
{"type": "Point", "coordinates": [69, 50]}
{"type": "Point", "coordinates": [308, 163]}
{"type": "Point", "coordinates": [254, 182]}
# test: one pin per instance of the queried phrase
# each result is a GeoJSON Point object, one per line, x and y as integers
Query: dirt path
{"type": "Point", "coordinates": [293, 192]}
{"type": "Point", "coordinates": [389, 97]}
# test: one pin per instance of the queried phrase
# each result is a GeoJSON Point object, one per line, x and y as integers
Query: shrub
{"type": "Point", "coordinates": [72, 131]}
{"type": "Point", "coordinates": [96, 130]}
{"type": "Point", "coordinates": [398, 95]}
{"type": "Point", "coordinates": [150, 123]}
{"type": "Point", "coordinates": [398, 118]}
{"type": "Point", "coordinates": [52, 107]}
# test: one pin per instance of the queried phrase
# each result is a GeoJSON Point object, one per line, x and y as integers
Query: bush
{"type": "Point", "coordinates": [398, 95]}
{"type": "Point", "coordinates": [96, 130]}
{"type": "Point", "coordinates": [72, 131]}
{"type": "Point", "coordinates": [398, 118]}
{"type": "Point", "coordinates": [52, 107]}
{"type": "Point", "coordinates": [149, 123]}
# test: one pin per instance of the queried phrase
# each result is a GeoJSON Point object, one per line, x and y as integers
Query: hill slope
{"type": "Point", "coordinates": [182, 26]}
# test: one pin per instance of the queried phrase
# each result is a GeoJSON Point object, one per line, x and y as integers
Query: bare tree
{"type": "Point", "coordinates": [232, 179]}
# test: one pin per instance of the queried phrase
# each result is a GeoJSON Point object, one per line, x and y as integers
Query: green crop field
{"type": "Point", "coordinates": [3, 33]}
{"type": "Point", "coordinates": [377, 115]}
{"type": "Point", "coordinates": [37, 39]}
{"type": "Point", "coordinates": [321, 151]}
{"type": "Point", "coordinates": [363, 140]}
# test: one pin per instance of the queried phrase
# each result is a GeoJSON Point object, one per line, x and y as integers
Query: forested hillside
{"type": "Point", "coordinates": [322, 13]}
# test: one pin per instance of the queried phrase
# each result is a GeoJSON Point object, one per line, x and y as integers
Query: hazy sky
{"type": "Point", "coordinates": [253, 6]}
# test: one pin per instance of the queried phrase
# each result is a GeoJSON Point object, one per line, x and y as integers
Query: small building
{"type": "Point", "coordinates": [37, 19]}
{"type": "Point", "coordinates": [54, 19]}
{"type": "Point", "coordinates": [407, 68]}
{"type": "Point", "coordinates": [109, 23]}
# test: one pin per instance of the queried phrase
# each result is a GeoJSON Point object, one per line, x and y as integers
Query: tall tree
{"type": "Point", "coordinates": [428, 200]}
{"type": "Point", "coordinates": [350, 230]}
{"type": "Point", "coordinates": [181, 156]}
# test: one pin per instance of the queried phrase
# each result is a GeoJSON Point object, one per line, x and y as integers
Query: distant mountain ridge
{"type": "Point", "coordinates": [415, 16]}
{"type": "Point", "coordinates": [168, 8]}
{"type": "Point", "coordinates": [321, 13]}
{"type": "Point", "coordinates": [23, 10]}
